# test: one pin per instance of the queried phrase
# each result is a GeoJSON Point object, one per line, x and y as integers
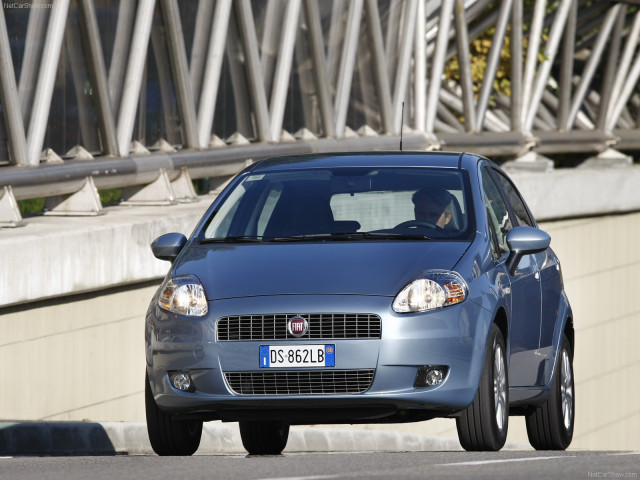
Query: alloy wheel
{"type": "Point", "coordinates": [566, 390]}
{"type": "Point", "coordinates": [499, 387]}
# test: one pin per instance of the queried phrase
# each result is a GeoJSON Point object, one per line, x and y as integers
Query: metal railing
{"type": "Point", "coordinates": [335, 73]}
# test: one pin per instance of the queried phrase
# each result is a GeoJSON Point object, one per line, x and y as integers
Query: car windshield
{"type": "Point", "coordinates": [345, 203]}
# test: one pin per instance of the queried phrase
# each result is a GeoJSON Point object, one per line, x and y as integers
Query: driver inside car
{"type": "Point", "coordinates": [433, 205]}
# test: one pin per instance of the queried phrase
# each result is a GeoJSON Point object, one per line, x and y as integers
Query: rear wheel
{"type": "Point", "coordinates": [264, 438]}
{"type": "Point", "coordinates": [550, 426]}
{"type": "Point", "coordinates": [483, 425]}
{"type": "Point", "coordinates": [167, 435]}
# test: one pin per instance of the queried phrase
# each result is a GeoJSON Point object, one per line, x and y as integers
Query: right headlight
{"type": "Point", "coordinates": [184, 295]}
{"type": "Point", "coordinates": [432, 289]}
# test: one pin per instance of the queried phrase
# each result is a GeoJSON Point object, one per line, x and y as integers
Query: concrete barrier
{"type": "Point", "coordinates": [115, 438]}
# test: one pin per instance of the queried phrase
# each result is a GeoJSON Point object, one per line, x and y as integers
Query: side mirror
{"type": "Point", "coordinates": [524, 241]}
{"type": "Point", "coordinates": [168, 246]}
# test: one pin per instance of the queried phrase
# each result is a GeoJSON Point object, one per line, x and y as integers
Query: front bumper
{"type": "Point", "coordinates": [454, 337]}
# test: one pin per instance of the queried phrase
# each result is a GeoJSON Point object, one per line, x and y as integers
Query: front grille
{"type": "Point", "coordinates": [300, 383]}
{"type": "Point", "coordinates": [321, 325]}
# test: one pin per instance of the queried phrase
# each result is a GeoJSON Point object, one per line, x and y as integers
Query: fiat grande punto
{"type": "Point", "coordinates": [361, 288]}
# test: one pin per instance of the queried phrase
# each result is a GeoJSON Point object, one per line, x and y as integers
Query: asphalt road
{"type": "Point", "coordinates": [319, 466]}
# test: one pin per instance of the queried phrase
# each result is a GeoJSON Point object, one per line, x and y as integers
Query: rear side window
{"type": "Point", "coordinates": [522, 215]}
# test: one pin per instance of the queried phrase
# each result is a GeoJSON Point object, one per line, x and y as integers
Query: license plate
{"type": "Point", "coordinates": [288, 356]}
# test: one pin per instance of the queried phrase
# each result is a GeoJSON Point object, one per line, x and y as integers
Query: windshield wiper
{"type": "Point", "coordinates": [395, 236]}
{"type": "Point", "coordinates": [232, 239]}
{"type": "Point", "coordinates": [342, 236]}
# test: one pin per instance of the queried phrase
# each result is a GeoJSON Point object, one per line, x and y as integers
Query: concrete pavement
{"type": "Point", "coordinates": [123, 438]}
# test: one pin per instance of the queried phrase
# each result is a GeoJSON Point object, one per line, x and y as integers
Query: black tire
{"type": "Point", "coordinates": [483, 425]}
{"type": "Point", "coordinates": [264, 438]}
{"type": "Point", "coordinates": [170, 437]}
{"type": "Point", "coordinates": [550, 426]}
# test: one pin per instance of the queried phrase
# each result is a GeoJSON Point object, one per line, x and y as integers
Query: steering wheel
{"type": "Point", "coordinates": [416, 224]}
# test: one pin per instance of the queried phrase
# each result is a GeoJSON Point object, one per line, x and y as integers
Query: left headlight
{"type": "Point", "coordinates": [184, 295]}
{"type": "Point", "coordinates": [432, 289]}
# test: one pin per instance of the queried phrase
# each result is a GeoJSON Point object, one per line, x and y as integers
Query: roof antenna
{"type": "Point", "coordinates": [401, 125]}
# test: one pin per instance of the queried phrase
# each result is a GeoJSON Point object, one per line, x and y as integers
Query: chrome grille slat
{"type": "Point", "coordinates": [321, 326]}
{"type": "Point", "coordinates": [316, 382]}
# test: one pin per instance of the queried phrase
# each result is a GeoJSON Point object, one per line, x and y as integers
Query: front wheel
{"type": "Point", "coordinates": [550, 426]}
{"type": "Point", "coordinates": [264, 438]}
{"type": "Point", "coordinates": [168, 436]}
{"type": "Point", "coordinates": [483, 425]}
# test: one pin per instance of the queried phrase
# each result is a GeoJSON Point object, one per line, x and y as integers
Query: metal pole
{"type": "Point", "coordinates": [98, 75]}
{"type": "Point", "coordinates": [516, 66]}
{"type": "Point", "coordinates": [32, 56]}
{"type": "Point", "coordinates": [180, 69]}
{"type": "Point", "coordinates": [623, 68]}
{"type": "Point", "coordinates": [121, 50]}
{"type": "Point", "coordinates": [476, 31]}
{"type": "Point", "coordinates": [535, 35]}
{"type": "Point", "coordinates": [379, 65]}
{"type": "Point", "coordinates": [629, 86]}
{"type": "Point", "coordinates": [420, 59]}
{"type": "Point", "coordinates": [46, 81]}
{"type": "Point", "coordinates": [74, 63]}
{"type": "Point", "coordinates": [169, 114]}
{"type": "Point", "coordinates": [347, 63]}
{"type": "Point", "coordinates": [393, 33]}
{"type": "Point", "coordinates": [612, 62]}
{"type": "Point", "coordinates": [366, 83]}
{"type": "Point", "coordinates": [258, 96]}
{"type": "Point", "coordinates": [566, 69]}
{"type": "Point", "coordinates": [437, 66]}
{"type": "Point", "coordinates": [133, 74]}
{"type": "Point", "coordinates": [238, 77]}
{"type": "Point", "coordinates": [204, 17]}
{"type": "Point", "coordinates": [404, 61]}
{"type": "Point", "coordinates": [492, 62]}
{"type": "Point", "coordinates": [336, 34]}
{"type": "Point", "coordinates": [273, 24]}
{"type": "Point", "coordinates": [464, 63]}
{"type": "Point", "coordinates": [283, 67]}
{"type": "Point", "coordinates": [320, 67]}
{"type": "Point", "coordinates": [592, 64]}
{"type": "Point", "coordinates": [449, 118]}
{"type": "Point", "coordinates": [213, 67]}
{"type": "Point", "coordinates": [10, 101]}
{"type": "Point", "coordinates": [550, 54]}
{"type": "Point", "coordinates": [309, 83]}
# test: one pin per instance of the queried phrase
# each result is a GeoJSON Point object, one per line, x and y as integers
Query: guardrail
{"type": "Point", "coordinates": [572, 68]}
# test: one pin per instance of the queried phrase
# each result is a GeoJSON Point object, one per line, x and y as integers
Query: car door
{"type": "Point", "coordinates": [550, 276]}
{"type": "Point", "coordinates": [525, 294]}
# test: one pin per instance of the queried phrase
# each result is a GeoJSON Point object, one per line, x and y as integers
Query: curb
{"type": "Point", "coordinates": [117, 438]}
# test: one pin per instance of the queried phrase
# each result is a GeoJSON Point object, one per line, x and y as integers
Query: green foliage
{"type": "Point", "coordinates": [32, 206]}
{"type": "Point", "coordinates": [111, 196]}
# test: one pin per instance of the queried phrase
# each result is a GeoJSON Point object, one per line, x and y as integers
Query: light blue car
{"type": "Point", "coordinates": [361, 288]}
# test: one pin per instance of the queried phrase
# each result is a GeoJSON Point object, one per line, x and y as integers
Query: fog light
{"type": "Point", "coordinates": [434, 377]}
{"type": "Point", "coordinates": [182, 381]}
{"type": "Point", "coordinates": [430, 376]}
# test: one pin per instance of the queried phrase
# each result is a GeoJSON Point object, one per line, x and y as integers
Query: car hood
{"type": "Point", "coordinates": [358, 268]}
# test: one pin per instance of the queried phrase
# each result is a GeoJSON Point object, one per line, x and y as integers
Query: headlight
{"type": "Point", "coordinates": [433, 289]}
{"type": "Point", "coordinates": [184, 295]}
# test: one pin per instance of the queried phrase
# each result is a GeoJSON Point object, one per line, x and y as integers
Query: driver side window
{"type": "Point", "coordinates": [497, 213]}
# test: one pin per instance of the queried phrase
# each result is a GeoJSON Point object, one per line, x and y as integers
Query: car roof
{"type": "Point", "coordinates": [363, 159]}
